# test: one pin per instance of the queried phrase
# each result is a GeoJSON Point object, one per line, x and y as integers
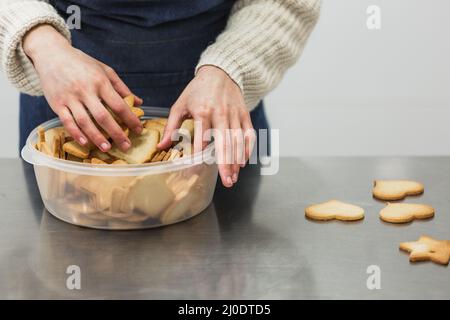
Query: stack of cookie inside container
{"type": "Point", "coordinates": [56, 142]}
{"type": "Point", "coordinates": [125, 200]}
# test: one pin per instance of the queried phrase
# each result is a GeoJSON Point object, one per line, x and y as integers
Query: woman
{"type": "Point", "coordinates": [212, 60]}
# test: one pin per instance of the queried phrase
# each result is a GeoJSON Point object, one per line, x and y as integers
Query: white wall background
{"type": "Point", "coordinates": [355, 91]}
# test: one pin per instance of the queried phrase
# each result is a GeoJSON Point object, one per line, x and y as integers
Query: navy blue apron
{"type": "Point", "coordinates": [153, 45]}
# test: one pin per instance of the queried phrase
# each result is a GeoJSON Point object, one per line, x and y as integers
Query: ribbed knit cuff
{"type": "Point", "coordinates": [15, 21]}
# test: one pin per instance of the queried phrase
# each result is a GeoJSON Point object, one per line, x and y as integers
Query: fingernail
{"type": "Point", "coordinates": [83, 141]}
{"type": "Point", "coordinates": [235, 177]}
{"type": "Point", "coordinates": [105, 146]}
{"type": "Point", "coordinates": [229, 181]}
{"type": "Point", "coordinates": [125, 145]}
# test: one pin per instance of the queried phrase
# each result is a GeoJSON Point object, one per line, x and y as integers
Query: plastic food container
{"type": "Point", "coordinates": [123, 197]}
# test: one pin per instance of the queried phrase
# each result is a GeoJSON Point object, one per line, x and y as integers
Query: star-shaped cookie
{"type": "Point", "coordinates": [427, 248]}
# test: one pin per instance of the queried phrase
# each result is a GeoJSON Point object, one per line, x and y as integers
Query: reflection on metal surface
{"type": "Point", "coordinates": [252, 242]}
{"type": "Point", "coordinates": [125, 262]}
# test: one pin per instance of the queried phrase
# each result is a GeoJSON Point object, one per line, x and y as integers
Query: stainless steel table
{"type": "Point", "coordinates": [253, 242]}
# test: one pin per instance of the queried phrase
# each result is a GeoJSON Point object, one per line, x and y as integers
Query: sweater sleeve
{"type": "Point", "coordinates": [263, 38]}
{"type": "Point", "coordinates": [17, 17]}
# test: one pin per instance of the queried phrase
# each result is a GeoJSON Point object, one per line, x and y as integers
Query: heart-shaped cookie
{"type": "Point", "coordinates": [334, 209]}
{"type": "Point", "coordinates": [405, 212]}
{"type": "Point", "coordinates": [396, 189]}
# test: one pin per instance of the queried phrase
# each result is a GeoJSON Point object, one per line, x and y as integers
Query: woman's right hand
{"type": "Point", "coordinates": [75, 83]}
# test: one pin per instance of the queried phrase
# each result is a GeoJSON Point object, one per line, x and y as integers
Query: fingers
{"type": "Point", "coordinates": [107, 122]}
{"type": "Point", "coordinates": [222, 142]}
{"type": "Point", "coordinates": [88, 127]}
{"type": "Point", "coordinates": [120, 108]}
{"type": "Point", "coordinates": [237, 140]}
{"type": "Point", "coordinates": [176, 117]}
{"type": "Point", "coordinates": [137, 101]}
{"type": "Point", "coordinates": [249, 135]}
{"type": "Point", "coordinates": [121, 88]}
{"type": "Point", "coordinates": [68, 122]}
{"type": "Point", "coordinates": [202, 125]}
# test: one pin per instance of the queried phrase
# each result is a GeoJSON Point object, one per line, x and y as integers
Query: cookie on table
{"type": "Point", "coordinates": [405, 212]}
{"type": "Point", "coordinates": [392, 190]}
{"type": "Point", "coordinates": [427, 248]}
{"type": "Point", "coordinates": [334, 209]}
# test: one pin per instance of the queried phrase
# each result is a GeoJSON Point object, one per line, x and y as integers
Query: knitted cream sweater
{"type": "Point", "coordinates": [262, 39]}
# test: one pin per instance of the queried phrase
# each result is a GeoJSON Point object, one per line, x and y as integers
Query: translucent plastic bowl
{"type": "Point", "coordinates": [123, 197]}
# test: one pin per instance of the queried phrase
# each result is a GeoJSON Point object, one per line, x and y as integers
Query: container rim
{"type": "Point", "coordinates": [35, 157]}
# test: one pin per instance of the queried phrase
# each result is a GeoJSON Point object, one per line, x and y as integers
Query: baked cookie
{"type": "Point", "coordinates": [100, 189]}
{"type": "Point", "coordinates": [334, 209]}
{"type": "Point", "coordinates": [405, 212]}
{"type": "Point", "coordinates": [73, 158]}
{"type": "Point", "coordinates": [427, 248]}
{"type": "Point", "coordinates": [396, 189]}
{"type": "Point", "coordinates": [187, 128]}
{"type": "Point", "coordinates": [119, 161]}
{"type": "Point", "coordinates": [142, 194]}
{"type": "Point", "coordinates": [138, 112]}
{"type": "Point", "coordinates": [155, 125]}
{"type": "Point", "coordinates": [142, 150]}
{"type": "Point", "coordinates": [129, 100]}
{"type": "Point", "coordinates": [97, 161]}
{"type": "Point", "coordinates": [77, 150]}
{"type": "Point", "coordinates": [96, 153]}
{"type": "Point", "coordinates": [187, 194]}
{"type": "Point", "coordinates": [162, 121]}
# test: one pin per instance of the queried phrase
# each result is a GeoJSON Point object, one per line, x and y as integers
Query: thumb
{"type": "Point", "coordinates": [174, 122]}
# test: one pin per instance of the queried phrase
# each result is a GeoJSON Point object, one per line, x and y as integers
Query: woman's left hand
{"type": "Point", "coordinates": [215, 101]}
